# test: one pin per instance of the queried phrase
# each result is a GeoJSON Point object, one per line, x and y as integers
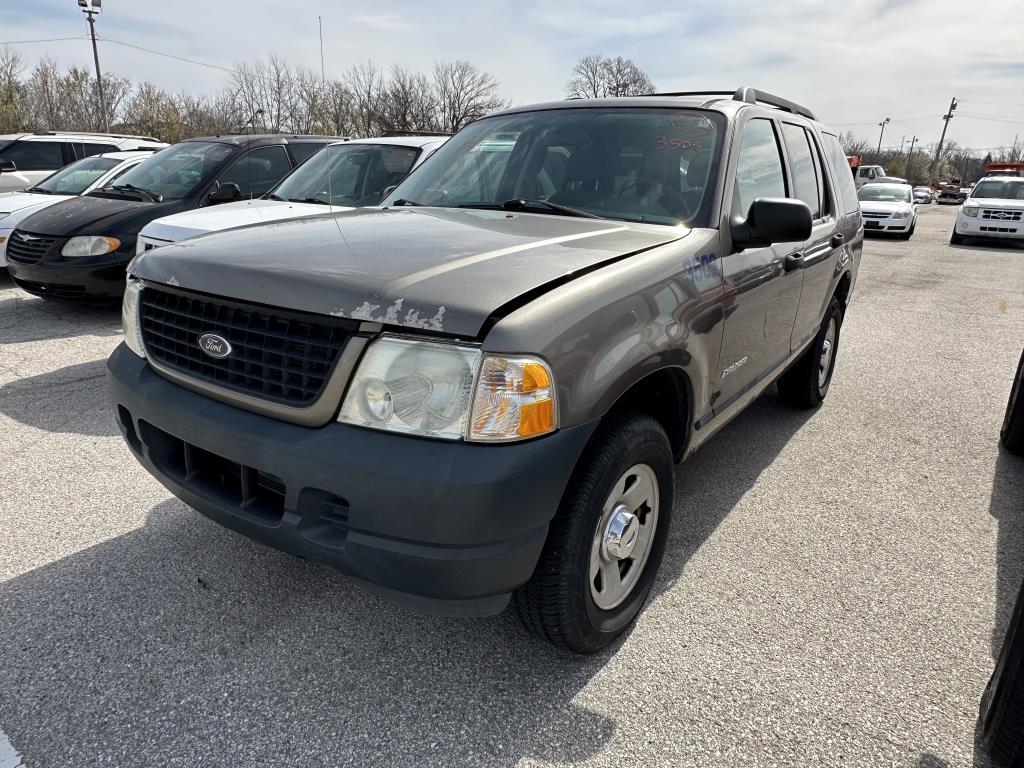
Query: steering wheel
{"type": "Point", "coordinates": [675, 198]}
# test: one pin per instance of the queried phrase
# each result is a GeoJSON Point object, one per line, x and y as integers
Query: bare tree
{"type": "Point", "coordinates": [597, 77]}
{"type": "Point", "coordinates": [11, 89]}
{"type": "Point", "coordinates": [464, 94]}
{"type": "Point", "coordinates": [366, 84]}
{"type": "Point", "coordinates": [408, 102]}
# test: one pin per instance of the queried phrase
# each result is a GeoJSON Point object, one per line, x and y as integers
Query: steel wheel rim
{"type": "Point", "coordinates": [828, 347]}
{"type": "Point", "coordinates": [617, 561]}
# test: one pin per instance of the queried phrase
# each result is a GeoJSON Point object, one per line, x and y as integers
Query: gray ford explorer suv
{"type": "Point", "coordinates": [478, 392]}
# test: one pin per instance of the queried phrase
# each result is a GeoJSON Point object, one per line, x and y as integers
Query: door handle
{"type": "Point", "coordinates": [793, 261]}
{"type": "Point", "coordinates": [837, 240]}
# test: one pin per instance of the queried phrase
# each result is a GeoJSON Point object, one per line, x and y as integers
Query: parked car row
{"type": "Point", "coordinates": [28, 158]}
{"type": "Point", "coordinates": [79, 248]}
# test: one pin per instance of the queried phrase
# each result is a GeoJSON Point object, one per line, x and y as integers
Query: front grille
{"type": "Point", "coordinates": [52, 290]}
{"type": "Point", "coordinates": [26, 248]}
{"type": "Point", "coordinates": [870, 215]}
{"type": "Point", "coordinates": [280, 356]}
{"type": "Point", "coordinates": [1004, 230]}
{"type": "Point", "coordinates": [1001, 215]}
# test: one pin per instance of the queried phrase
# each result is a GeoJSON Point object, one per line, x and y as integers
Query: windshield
{"type": "Point", "coordinates": [74, 179]}
{"type": "Point", "coordinates": [348, 174]}
{"type": "Point", "coordinates": [634, 164]}
{"type": "Point", "coordinates": [1005, 190]}
{"type": "Point", "coordinates": [887, 193]}
{"type": "Point", "coordinates": [177, 171]}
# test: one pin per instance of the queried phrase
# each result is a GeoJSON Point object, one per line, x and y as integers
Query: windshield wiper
{"type": "Point", "coordinates": [521, 204]}
{"type": "Point", "coordinates": [403, 201]}
{"type": "Point", "coordinates": [156, 197]}
{"type": "Point", "coordinates": [307, 200]}
{"type": "Point", "coordinates": [272, 196]}
{"type": "Point", "coordinates": [40, 190]}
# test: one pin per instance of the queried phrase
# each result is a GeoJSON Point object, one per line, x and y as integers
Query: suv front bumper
{"type": "Point", "coordinates": [439, 526]}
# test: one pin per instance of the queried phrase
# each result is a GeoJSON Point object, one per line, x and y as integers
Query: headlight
{"type": "Point", "coordinates": [432, 389]}
{"type": "Point", "coordinates": [130, 317]}
{"type": "Point", "coordinates": [970, 210]}
{"type": "Point", "coordinates": [89, 245]}
{"type": "Point", "coordinates": [901, 215]}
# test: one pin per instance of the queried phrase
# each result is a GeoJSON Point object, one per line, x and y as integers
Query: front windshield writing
{"type": "Point", "coordinates": [649, 165]}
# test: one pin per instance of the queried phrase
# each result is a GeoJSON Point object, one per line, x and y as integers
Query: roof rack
{"type": "Point", "coordinates": [90, 133]}
{"type": "Point", "coordinates": [412, 133]}
{"type": "Point", "coordinates": [749, 96]}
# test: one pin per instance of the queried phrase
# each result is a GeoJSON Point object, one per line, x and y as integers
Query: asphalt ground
{"type": "Point", "coordinates": [835, 586]}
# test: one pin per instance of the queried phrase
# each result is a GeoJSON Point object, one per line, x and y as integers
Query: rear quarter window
{"type": "Point", "coordinates": [847, 190]}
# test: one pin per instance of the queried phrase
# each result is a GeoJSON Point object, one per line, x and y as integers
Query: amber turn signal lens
{"type": "Point", "coordinates": [514, 399]}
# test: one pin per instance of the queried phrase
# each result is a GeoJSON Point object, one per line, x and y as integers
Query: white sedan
{"type": "Point", "coordinates": [340, 177]}
{"type": "Point", "coordinates": [888, 208]}
{"type": "Point", "coordinates": [74, 179]}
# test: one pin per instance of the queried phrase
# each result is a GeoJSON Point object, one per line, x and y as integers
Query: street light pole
{"type": "Point", "coordinates": [90, 13]}
{"type": "Point", "coordinates": [882, 124]}
{"type": "Point", "coordinates": [910, 156]}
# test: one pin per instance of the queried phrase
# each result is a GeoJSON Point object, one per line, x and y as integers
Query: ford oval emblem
{"type": "Point", "coordinates": [214, 345]}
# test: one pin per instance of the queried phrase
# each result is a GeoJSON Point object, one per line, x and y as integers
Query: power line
{"type": "Point", "coordinates": [171, 56]}
{"type": "Point", "coordinates": [43, 40]}
{"type": "Point", "coordinates": [993, 119]}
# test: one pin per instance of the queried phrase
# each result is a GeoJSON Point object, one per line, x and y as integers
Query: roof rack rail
{"type": "Point", "coordinates": [412, 133]}
{"type": "Point", "coordinates": [754, 96]}
{"type": "Point", "coordinates": [749, 96]}
{"type": "Point", "coordinates": [92, 133]}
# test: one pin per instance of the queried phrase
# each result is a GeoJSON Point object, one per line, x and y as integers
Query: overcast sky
{"type": "Point", "coordinates": [852, 62]}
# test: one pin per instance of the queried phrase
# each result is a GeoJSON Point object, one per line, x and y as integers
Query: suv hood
{"type": "Point", "coordinates": [981, 202]}
{"type": "Point", "coordinates": [88, 215]}
{"type": "Point", "coordinates": [215, 218]}
{"type": "Point", "coordinates": [19, 201]}
{"type": "Point", "coordinates": [442, 269]}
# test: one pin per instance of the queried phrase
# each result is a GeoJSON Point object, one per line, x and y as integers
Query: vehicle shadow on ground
{"type": "Point", "coordinates": [711, 482]}
{"type": "Point", "coordinates": [70, 400]}
{"type": "Point", "coordinates": [978, 244]}
{"type": "Point", "coordinates": [1006, 505]}
{"type": "Point", "coordinates": [182, 641]}
{"type": "Point", "coordinates": [25, 318]}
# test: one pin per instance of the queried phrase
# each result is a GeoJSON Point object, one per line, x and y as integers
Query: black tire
{"type": "Point", "coordinates": [1012, 432]}
{"type": "Point", "coordinates": [1002, 705]}
{"type": "Point", "coordinates": [955, 239]}
{"type": "Point", "coordinates": [557, 604]}
{"type": "Point", "coordinates": [802, 386]}
{"type": "Point", "coordinates": [907, 235]}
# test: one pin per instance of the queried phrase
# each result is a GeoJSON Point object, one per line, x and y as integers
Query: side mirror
{"type": "Point", "coordinates": [224, 193]}
{"type": "Point", "coordinates": [7, 166]}
{"type": "Point", "coordinates": [772, 220]}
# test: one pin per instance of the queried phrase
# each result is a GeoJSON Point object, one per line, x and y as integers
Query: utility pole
{"type": "Point", "coordinates": [938, 152]}
{"type": "Point", "coordinates": [910, 156]}
{"type": "Point", "coordinates": [320, 22]}
{"type": "Point", "coordinates": [90, 8]}
{"type": "Point", "coordinates": [882, 124]}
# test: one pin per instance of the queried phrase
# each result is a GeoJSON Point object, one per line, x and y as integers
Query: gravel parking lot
{"type": "Point", "coordinates": [835, 586]}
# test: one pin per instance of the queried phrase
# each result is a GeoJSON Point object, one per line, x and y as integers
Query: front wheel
{"type": "Point", "coordinates": [606, 541]}
{"type": "Point", "coordinates": [955, 239]}
{"type": "Point", "coordinates": [806, 383]}
{"type": "Point", "coordinates": [909, 233]}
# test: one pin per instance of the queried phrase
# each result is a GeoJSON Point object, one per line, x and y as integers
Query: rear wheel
{"type": "Point", "coordinates": [606, 541]}
{"type": "Point", "coordinates": [1012, 432]}
{"type": "Point", "coordinates": [806, 383]}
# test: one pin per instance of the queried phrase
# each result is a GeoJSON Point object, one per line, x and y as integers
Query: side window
{"type": "Point", "coordinates": [824, 187]}
{"type": "Point", "coordinates": [801, 163]}
{"type": "Point", "coordinates": [98, 149]}
{"type": "Point", "coordinates": [759, 167]}
{"type": "Point", "coordinates": [257, 171]}
{"type": "Point", "coordinates": [303, 149]}
{"type": "Point", "coordinates": [34, 155]}
{"type": "Point", "coordinates": [847, 191]}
